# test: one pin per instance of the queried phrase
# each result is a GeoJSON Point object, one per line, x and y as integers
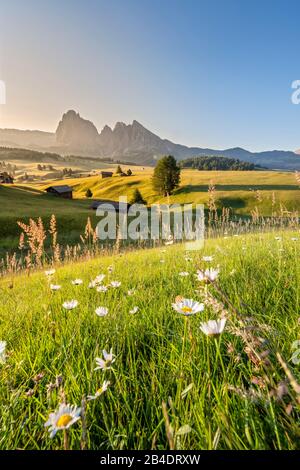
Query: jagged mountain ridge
{"type": "Point", "coordinates": [75, 135]}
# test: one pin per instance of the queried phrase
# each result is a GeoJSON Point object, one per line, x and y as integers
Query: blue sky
{"type": "Point", "coordinates": [207, 73]}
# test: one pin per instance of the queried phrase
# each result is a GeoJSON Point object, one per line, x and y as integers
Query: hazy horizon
{"type": "Point", "coordinates": [199, 74]}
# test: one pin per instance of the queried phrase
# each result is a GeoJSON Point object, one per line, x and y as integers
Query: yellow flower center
{"type": "Point", "coordinates": [99, 391]}
{"type": "Point", "coordinates": [186, 309]}
{"type": "Point", "coordinates": [63, 421]}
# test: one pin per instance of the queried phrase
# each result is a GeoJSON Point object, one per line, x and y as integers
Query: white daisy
{"type": "Point", "coordinates": [101, 311]}
{"type": "Point", "coordinates": [92, 284]}
{"type": "Point", "coordinates": [183, 274]}
{"type": "Point", "coordinates": [77, 282]}
{"type": "Point", "coordinates": [213, 327]}
{"type": "Point", "coordinates": [50, 272]}
{"type": "Point", "coordinates": [55, 287]}
{"type": "Point", "coordinates": [2, 351]}
{"type": "Point", "coordinates": [188, 258]}
{"type": "Point", "coordinates": [102, 289]}
{"type": "Point", "coordinates": [278, 238]}
{"type": "Point", "coordinates": [106, 362]}
{"type": "Point", "coordinates": [207, 275]}
{"type": "Point", "coordinates": [115, 284]}
{"type": "Point", "coordinates": [294, 239]}
{"type": "Point", "coordinates": [207, 259]}
{"type": "Point", "coordinates": [100, 390]}
{"type": "Point", "coordinates": [188, 306]}
{"type": "Point", "coordinates": [63, 418]}
{"type": "Point", "coordinates": [70, 304]}
{"type": "Point", "coordinates": [134, 310]}
{"type": "Point", "coordinates": [99, 278]}
{"type": "Point", "coordinates": [130, 292]}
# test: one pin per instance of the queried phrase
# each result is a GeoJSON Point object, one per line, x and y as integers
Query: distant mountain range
{"type": "Point", "coordinates": [131, 142]}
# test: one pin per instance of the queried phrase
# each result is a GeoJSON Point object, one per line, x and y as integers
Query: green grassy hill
{"type": "Point", "coordinates": [234, 189]}
{"type": "Point", "coordinates": [241, 191]}
{"type": "Point", "coordinates": [225, 393]}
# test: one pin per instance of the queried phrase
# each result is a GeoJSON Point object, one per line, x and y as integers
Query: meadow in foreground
{"type": "Point", "coordinates": [115, 337]}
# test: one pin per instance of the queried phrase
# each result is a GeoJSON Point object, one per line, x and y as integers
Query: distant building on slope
{"type": "Point", "coordinates": [113, 205]}
{"type": "Point", "coordinates": [63, 191]}
{"type": "Point", "coordinates": [6, 178]}
{"type": "Point", "coordinates": [106, 174]}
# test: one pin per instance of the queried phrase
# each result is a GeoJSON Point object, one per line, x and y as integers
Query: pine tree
{"type": "Point", "coordinates": [137, 198]}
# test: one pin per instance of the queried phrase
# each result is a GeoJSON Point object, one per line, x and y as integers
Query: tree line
{"type": "Point", "coordinates": [210, 163]}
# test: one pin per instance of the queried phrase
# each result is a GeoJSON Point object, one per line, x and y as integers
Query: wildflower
{"type": "Point", "coordinates": [188, 307]}
{"type": "Point", "coordinates": [134, 310]}
{"type": "Point", "coordinates": [92, 284]}
{"type": "Point", "coordinates": [63, 418]}
{"type": "Point", "coordinates": [170, 242]}
{"type": "Point", "coordinates": [110, 269]}
{"type": "Point", "coordinates": [77, 282]}
{"type": "Point", "coordinates": [38, 377]}
{"type": "Point", "coordinates": [55, 287]}
{"type": "Point", "coordinates": [50, 272]}
{"type": "Point", "coordinates": [102, 289]}
{"type": "Point", "coordinates": [130, 292]}
{"type": "Point", "coordinates": [294, 239]}
{"type": "Point", "coordinates": [99, 278]}
{"type": "Point", "coordinates": [70, 304]}
{"type": "Point", "coordinates": [2, 351]}
{"type": "Point", "coordinates": [100, 390]}
{"type": "Point", "coordinates": [207, 275]}
{"type": "Point", "coordinates": [213, 327]}
{"type": "Point", "coordinates": [207, 259]}
{"type": "Point", "coordinates": [115, 284]}
{"type": "Point", "coordinates": [188, 258]}
{"type": "Point", "coordinates": [101, 311]}
{"type": "Point", "coordinates": [106, 362]}
{"type": "Point", "coordinates": [278, 238]}
{"type": "Point", "coordinates": [183, 273]}
{"type": "Point", "coordinates": [29, 392]}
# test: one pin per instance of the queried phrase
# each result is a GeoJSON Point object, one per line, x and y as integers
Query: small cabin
{"type": "Point", "coordinates": [118, 207]}
{"type": "Point", "coordinates": [63, 191]}
{"type": "Point", "coordinates": [6, 178]}
{"type": "Point", "coordinates": [106, 174]}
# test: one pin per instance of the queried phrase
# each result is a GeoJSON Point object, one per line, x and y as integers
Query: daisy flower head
{"type": "Point", "coordinates": [77, 282]}
{"type": "Point", "coordinates": [2, 351]}
{"type": "Point", "coordinates": [207, 275]}
{"type": "Point", "coordinates": [188, 307]}
{"type": "Point", "coordinates": [183, 274]}
{"type": "Point", "coordinates": [102, 289]}
{"type": "Point", "coordinates": [70, 304]}
{"type": "Point", "coordinates": [50, 272]}
{"type": "Point", "coordinates": [101, 311]}
{"type": "Point", "coordinates": [213, 327]}
{"type": "Point", "coordinates": [100, 390]}
{"type": "Point", "coordinates": [207, 259]}
{"type": "Point", "coordinates": [98, 279]}
{"type": "Point", "coordinates": [55, 287]}
{"type": "Point", "coordinates": [106, 362]}
{"type": "Point", "coordinates": [63, 418]}
{"type": "Point", "coordinates": [92, 284]}
{"type": "Point", "coordinates": [115, 284]}
{"type": "Point", "coordinates": [134, 310]}
{"type": "Point", "coordinates": [130, 292]}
